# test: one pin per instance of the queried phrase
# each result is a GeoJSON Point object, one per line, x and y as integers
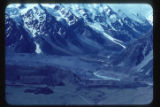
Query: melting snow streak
{"type": "Point", "coordinates": [38, 50]}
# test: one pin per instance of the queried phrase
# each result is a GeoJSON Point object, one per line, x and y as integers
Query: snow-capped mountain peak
{"type": "Point", "coordinates": [103, 19]}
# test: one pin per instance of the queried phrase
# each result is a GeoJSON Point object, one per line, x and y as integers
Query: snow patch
{"type": "Point", "coordinates": [148, 58]}
{"type": "Point", "coordinates": [38, 50]}
{"type": "Point", "coordinates": [106, 77]}
{"type": "Point", "coordinates": [113, 18]}
{"type": "Point", "coordinates": [114, 40]}
{"type": "Point", "coordinates": [150, 19]}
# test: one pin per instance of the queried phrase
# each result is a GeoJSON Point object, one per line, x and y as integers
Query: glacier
{"type": "Point", "coordinates": [79, 54]}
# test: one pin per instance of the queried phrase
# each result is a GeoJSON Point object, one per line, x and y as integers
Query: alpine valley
{"type": "Point", "coordinates": [77, 54]}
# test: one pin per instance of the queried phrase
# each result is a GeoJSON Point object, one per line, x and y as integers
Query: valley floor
{"type": "Point", "coordinates": [69, 95]}
{"type": "Point", "coordinates": [25, 84]}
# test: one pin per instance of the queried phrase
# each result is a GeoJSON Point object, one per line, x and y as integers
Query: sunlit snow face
{"type": "Point", "coordinates": [150, 19]}
{"type": "Point", "coordinates": [132, 10]}
{"type": "Point", "coordinates": [14, 5]}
